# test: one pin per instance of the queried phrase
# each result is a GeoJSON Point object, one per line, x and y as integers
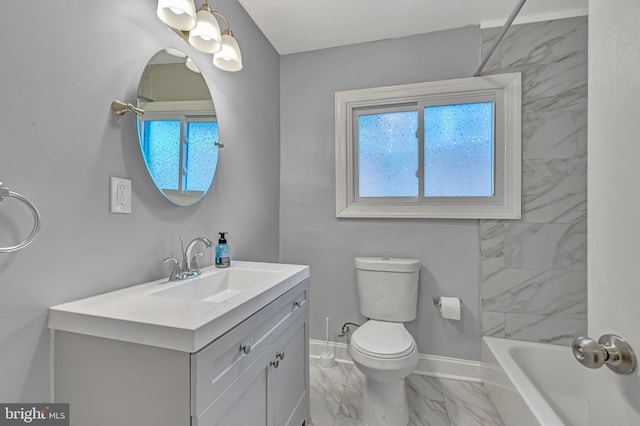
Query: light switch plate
{"type": "Point", "coordinates": [120, 198]}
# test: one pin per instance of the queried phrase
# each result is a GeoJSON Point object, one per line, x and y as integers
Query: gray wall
{"type": "Point", "coordinates": [534, 270]}
{"type": "Point", "coordinates": [63, 63]}
{"type": "Point", "coordinates": [309, 231]}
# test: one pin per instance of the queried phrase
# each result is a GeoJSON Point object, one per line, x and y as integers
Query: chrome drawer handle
{"type": "Point", "coordinates": [276, 362]}
{"type": "Point", "coordinates": [245, 349]}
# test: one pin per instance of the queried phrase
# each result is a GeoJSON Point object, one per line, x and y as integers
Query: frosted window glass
{"type": "Point", "coordinates": [388, 154]}
{"type": "Point", "coordinates": [202, 155]}
{"type": "Point", "coordinates": [458, 150]}
{"type": "Point", "coordinates": [162, 152]}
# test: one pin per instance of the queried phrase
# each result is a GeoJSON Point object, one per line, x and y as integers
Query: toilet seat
{"type": "Point", "coordinates": [383, 340]}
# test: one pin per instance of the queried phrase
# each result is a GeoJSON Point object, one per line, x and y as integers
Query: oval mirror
{"type": "Point", "coordinates": [178, 132]}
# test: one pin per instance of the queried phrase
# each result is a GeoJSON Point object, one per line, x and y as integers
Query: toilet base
{"type": "Point", "coordinates": [384, 402]}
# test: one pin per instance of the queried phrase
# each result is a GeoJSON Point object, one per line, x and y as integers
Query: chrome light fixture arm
{"type": "Point", "coordinates": [224, 18]}
{"type": "Point", "coordinates": [121, 108]}
{"type": "Point", "coordinates": [205, 6]}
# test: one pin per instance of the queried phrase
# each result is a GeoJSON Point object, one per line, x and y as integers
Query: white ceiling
{"type": "Point", "coordinates": [301, 25]}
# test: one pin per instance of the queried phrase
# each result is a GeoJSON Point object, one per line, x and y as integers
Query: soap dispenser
{"type": "Point", "coordinates": [223, 252]}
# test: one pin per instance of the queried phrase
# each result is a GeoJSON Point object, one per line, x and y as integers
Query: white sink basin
{"type": "Point", "coordinates": [181, 315]}
{"type": "Point", "coordinates": [220, 287]}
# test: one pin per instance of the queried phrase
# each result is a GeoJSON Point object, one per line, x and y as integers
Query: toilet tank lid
{"type": "Point", "coordinates": [389, 264]}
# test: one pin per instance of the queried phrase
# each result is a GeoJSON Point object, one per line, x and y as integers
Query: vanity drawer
{"type": "Point", "coordinates": [217, 365]}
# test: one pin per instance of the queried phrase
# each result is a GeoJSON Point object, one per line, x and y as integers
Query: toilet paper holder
{"type": "Point", "coordinates": [436, 301]}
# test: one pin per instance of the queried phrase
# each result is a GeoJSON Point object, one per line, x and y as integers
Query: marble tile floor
{"type": "Point", "coordinates": [336, 394]}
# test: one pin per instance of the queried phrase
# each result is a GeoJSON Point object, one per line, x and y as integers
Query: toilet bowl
{"type": "Point", "coordinates": [382, 348]}
{"type": "Point", "coordinates": [386, 354]}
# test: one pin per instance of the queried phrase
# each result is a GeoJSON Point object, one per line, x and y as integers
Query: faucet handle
{"type": "Point", "coordinates": [175, 271]}
{"type": "Point", "coordinates": [194, 265]}
{"type": "Point", "coordinates": [170, 259]}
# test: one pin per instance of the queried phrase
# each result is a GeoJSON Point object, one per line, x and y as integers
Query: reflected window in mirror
{"type": "Point", "coordinates": [179, 154]}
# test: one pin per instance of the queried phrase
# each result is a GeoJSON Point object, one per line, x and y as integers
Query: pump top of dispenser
{"type": "Point", "coordinates": [222, 239]}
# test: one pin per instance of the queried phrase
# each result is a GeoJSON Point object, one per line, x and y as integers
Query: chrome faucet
{"type": "Point", "coordinates": [189, 268]}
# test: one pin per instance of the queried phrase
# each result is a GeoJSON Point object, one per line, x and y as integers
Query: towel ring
{"type": "Point", "coordinates": [5, 193]}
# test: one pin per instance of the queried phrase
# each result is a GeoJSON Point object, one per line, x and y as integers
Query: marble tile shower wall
{"type": "Point", "coordinates": [534, 270]}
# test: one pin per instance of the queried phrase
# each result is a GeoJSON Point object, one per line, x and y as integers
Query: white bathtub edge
{"type": "Point", "coordinates": [525, 390]}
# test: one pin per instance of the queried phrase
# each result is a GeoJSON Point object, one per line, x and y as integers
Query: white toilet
{"type": "Point", "coordinates": [382, 348]}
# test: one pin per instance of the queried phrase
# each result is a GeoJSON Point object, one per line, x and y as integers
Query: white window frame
{"type": "Point", "coordinates": [503, 89]}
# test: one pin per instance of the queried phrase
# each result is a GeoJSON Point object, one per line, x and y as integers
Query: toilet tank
{"type": "Point", "coordinates": [388, 288]}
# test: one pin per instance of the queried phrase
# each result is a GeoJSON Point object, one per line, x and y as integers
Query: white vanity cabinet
{"type": "Point", "coordinates": [271, 391]}
{"type": "Point", "coordinates": [254, 374]}
{"type": "Point", "coordinates": [258, 373]}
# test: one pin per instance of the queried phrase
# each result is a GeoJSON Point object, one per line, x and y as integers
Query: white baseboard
{"type": "Point", "coordinates": [448, 368]}
{"type": "Point", "coordinates": [340, 350]}
{"type": "Point", "coordinates": [428, 365]}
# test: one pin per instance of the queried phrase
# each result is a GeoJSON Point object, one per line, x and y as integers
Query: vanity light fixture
{"type": "Point", "coordinates": [202, 31]}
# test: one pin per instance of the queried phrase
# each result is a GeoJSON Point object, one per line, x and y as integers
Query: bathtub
{"type": "Point", "coordinates": [534, 383]}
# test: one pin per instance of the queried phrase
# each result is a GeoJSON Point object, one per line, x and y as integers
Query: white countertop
{"type": "Point", "coordinates": [135, 314]}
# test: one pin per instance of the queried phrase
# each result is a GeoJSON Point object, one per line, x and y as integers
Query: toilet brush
{"type": "Point", "coordinates": [327, 360]}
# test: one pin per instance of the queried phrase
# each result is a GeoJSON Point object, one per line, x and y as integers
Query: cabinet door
{"type": "Point", "coordinates": [273, 390]}
{"type": "Point", "coordinates": [245, 402]}
{"type": "Point", "coordinates": [218, 365]}
{"type": "Point", "coordinates": [290, 381]}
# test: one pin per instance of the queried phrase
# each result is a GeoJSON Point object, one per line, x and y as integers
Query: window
{"type": "Point", "coordinates": [446, 149]}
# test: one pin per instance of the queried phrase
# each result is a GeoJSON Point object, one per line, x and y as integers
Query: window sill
{"type": "Point", "coordinates": [431, 212]}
